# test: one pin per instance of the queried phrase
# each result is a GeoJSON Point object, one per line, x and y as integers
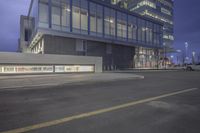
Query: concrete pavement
{"type": "Point", "coordinates": [18, 81]}
{"type": "Point", "coordinates": [177, 113]}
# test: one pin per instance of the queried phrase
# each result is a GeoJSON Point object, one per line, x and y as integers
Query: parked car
{"type": "Point", "coordinates": [193, 67]}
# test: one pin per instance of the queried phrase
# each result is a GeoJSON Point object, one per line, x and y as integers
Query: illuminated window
{"type": "Point", "coordinates": [65, 16]}
{"type": "Point", "coordinates": [74, 68]}
{"type": "Point", "coordinates": [163, 10]}
{"type": "Point", "coordinates": [164, 2]}
{"type": "Point", "coordinates": [169, 37]}
{"type": "Point", "coordinates": [80, 16]}
{"type": "Point", "coordinates": [121, 25]}
{"type": "Point", "coordinates": [144, 3]}
{"type": "Point", "coordinates": [109, 22]}
{"type": "Point", "coordinates": [157, 17]}
{"type": "Point", "coordinates": [26, 69]}
{"type": "Point", "coordinates": [132, 28]}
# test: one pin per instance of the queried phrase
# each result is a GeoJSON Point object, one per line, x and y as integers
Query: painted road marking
{"type": "Point", "coordinates": [93, 113]}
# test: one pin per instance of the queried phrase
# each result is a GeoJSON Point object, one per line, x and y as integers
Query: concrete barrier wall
{"type": "Point", "coordinates": [20, 59]}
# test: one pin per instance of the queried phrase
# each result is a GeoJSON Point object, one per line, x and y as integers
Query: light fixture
{"type": "Point", "coordinates": [67, 9]}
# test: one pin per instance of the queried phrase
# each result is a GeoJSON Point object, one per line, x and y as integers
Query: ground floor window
{"type": "Point", "coordinates": [9, 69]}
{"type": "Point", "coordinates": [146, 58]}
{"type": "Point", "coordinates": [25, 69]}
{"type": "Point", "coordinates": [74, 68]}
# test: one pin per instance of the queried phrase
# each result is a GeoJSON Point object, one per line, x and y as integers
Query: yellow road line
{"type": "Point", "coordinates": [93, 113]}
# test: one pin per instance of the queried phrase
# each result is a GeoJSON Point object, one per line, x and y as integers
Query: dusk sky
{"type": "Point", "coordinates": [187, 23]}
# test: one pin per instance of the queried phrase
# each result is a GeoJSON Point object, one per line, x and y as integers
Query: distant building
{"type": "Point", "coordinates": [92, 28]}
{"type": "Point", "coordinates": [160, 10]}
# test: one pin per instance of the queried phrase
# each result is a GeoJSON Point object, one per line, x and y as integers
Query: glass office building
{"type": "Point", "coordinates": [160, 10]}
{"type": "Point", "coordinates": [94, 28]}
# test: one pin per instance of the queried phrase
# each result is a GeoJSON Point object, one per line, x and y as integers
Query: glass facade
{"type": "Point", "coordinates": [109, 22]}
{"type": "Point", "coordinates": [159, 10]}
{"type": "Point", "coordinates": [43, 13]}
{"type": "Point", "coordinates": [34, 14]}
{"type": "Point", "coordinates": [80, 16]}
{"type": "Point", "coordinates": [95, 19]}
{"type": "Point", "coordinates": [121, 25]}
{"type": "Point", "coordinates": [132, 28]}
{"type": "Point", "coordinates": [146, 58]}
{"type": "Point", "coordinates": [65, 15]}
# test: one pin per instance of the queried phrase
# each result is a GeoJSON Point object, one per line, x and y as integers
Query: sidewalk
{"type": "Point", "coordinates": [59, 79]}
{"type": "Point", "coordinates": [144, 70]}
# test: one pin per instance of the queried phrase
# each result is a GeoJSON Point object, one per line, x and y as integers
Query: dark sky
{"type": "Point", "coordinates": [187, 23]}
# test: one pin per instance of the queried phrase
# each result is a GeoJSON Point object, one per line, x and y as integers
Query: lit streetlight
{"type": "Point", "coordinates": [193, 57]}
{"type": "Point", "coordinates": [186, 51]}
{"type": "Point", "coordinates": [165, 55]}
{"type": "Point", "coordinates": [172, 57]}
{"type": "Point", "coordinates": [178, 54]}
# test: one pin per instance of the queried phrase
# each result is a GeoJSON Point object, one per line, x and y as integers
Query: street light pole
{"type": "Point", "coordinates": [186, 51]}
{"type": "Point", "coordinates": [165, 55]}
{"type": "Point", "coordinates": [193, 57]}
{"type": "Point", "coordinates": [178, 54]}
{"type": "Point", "coordinates": [172, 57]}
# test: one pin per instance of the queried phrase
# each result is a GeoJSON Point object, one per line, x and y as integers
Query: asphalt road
{"type": "Point", "coordinates": [163, 102]}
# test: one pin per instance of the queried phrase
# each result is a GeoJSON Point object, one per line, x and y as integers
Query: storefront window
{"type": "Point", "coordinates": [74, 68]}
{"type": "Point", "coordinates": [26, 69]}
{"type": "Point", "coordinates": [146, 58]}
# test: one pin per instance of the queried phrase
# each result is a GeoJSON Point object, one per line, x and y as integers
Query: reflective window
{"type": "Point", "coordinates": [149, 33]}
{"type": "Point", "coordinates": [84, 16]}
{"type": "Point", "coordinates": [109, 22]}
{"type": "Point", "coordinates": [56, 14]}
{"type": "Point", "coordinates": [157, 35]}
{"type": "Point", "coordinates": [43, 13]}
{"type": "Point", "coordinates": [141, 30]}
{"type": "Point", "coordinates": [65, 15]}
{"type": "Point", "coordinates": [99, 16]}
{"type": "Point", "coordinates": [116, 23]}
{"type": "Point", "coordinates": [80, 16]}
{"type": "Point", "coordinates": [76, 16]}
{"type": "Point", "coordinates": [96, 19]}
{"type": "Point", "coordinates": [121, 25]}
{"type": "Point", "coordinates": [132, 28]}
{"type": "Point", "coordinates": [93, 19]}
